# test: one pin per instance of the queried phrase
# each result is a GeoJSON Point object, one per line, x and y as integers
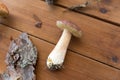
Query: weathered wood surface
{"type": "Point", "coordinates": [100, 40]}
{"type": "Point", "coordinates": [76, 67]}
{"type": "Point", "coordinates": [93, 57]}
{"type": "Point", "coordinates": [110, 8]}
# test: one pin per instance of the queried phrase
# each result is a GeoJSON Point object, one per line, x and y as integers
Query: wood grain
{"type": "Point", "coordinates": [76, 67]}
{"type": "Point", "coordinates": [111, 6]}
{"type": "Point", "coordinates": [100, 40]}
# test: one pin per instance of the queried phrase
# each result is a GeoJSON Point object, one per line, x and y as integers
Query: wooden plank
{"type": "Point", "coordinates": [76, 67]}
{"type": "Point", "coordinates": [100, 40]}
{"type": "Point", "coordinates": [111, 6]}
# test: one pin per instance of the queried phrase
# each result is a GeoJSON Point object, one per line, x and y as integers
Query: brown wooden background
{"type": "Point", "coordinates": [96, 56]}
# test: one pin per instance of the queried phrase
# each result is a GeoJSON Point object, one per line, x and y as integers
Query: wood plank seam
{"type": "Point", "coordinates": [95, 59]}
{"type": "Point", "coordinates": [27, 33]}
{"type": "Point", "coordinates": [68, 49]}
{"type": "Point", "coordinates": [94, 8]}
{"type": "Point", "coordinates": [89, 15]}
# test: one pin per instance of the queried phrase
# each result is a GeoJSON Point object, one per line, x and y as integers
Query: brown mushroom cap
{"type": "Point", "coordinates": [3, 10]}
{"type": "Point", "coordinates": [72, 28]}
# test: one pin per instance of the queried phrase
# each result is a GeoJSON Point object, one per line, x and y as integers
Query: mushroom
{"type": "Point", "coordinates": [3, 10]}
{"type": "Point", "coordinates": [56, 57]}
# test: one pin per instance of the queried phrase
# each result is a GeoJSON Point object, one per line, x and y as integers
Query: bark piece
{"type": "Point", "coordinates": [21, 59]}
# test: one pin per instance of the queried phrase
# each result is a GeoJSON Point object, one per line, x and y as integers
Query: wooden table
{"type": "Point", "coordinates": [96, 56]}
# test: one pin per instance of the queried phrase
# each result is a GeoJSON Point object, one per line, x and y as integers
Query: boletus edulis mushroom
{"type": "Point", "coordinates": [3, 10]}
{"type": "Point", "coordinates": [56, 57]}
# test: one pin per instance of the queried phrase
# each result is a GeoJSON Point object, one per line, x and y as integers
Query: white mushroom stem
{"type": "Point", "coordinates": [56, 57]}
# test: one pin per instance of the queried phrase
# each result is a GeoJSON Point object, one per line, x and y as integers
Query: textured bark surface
{"type": "Point", "coordinates": [20, 60]}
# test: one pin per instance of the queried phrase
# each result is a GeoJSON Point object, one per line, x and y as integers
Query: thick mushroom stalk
{"type": "Point", "coordinates": [56, 57]}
